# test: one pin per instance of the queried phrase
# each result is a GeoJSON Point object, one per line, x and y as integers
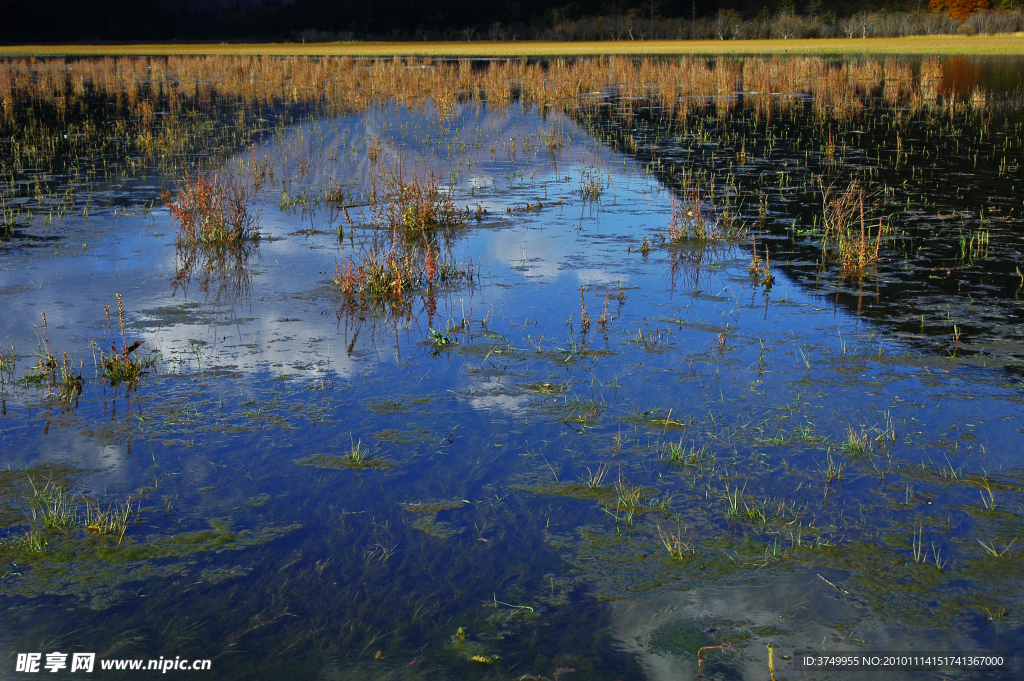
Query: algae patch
{"type": "Point", "coordinates": [97, 570]}
{"type": "Point", "coordinates": [428, 521]}
{"type": "Point", "coordinates": [340, 462]}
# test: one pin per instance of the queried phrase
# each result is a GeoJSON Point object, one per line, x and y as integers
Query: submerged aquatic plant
{"type": "Point", "coordinates": [213, 208]}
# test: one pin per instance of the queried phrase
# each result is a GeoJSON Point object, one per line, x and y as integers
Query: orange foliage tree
{"type": "Point", "coordinates": [958, 9]}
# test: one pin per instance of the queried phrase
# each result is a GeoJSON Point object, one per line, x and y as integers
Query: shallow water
{"type": "Point", "coordinates": [525, 477]}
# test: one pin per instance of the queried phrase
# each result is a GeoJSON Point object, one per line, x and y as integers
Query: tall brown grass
{"type": "Point", "coordinates": [849, 234]}
{"type": "Point", "coordinates": [143, 86]}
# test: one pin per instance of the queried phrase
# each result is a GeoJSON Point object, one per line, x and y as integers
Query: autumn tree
{"type": "Point", "coordinates": [958, 9]}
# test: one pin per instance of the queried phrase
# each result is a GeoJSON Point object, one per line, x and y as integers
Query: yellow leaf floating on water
{"type": "Point", "coordinates": [482, 660]}
{"type": "Point", "coordinates": [377, 656]}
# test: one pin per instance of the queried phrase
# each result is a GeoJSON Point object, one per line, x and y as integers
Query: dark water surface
{"type": "Point", "coordinates": [829, 463]}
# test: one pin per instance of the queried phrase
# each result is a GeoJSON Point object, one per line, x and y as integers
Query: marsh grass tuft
{"type": "Point", "coordinates": [858, 445]}
{"type": "Point", "coordinates": [58, 377]}
{"type": "Point", "coordinates": [591, 184]}
{"type": "Point", "coordinates": [655, 339]}
{"type": "Point", "coordinates": [677, 547]}
{"type": "Point", "coordinates": [112, 521]}
{"type": "Point", "coordinates": [993, 551]}
{"type": "Point", "coordinates": [734, 502]}
{"type": "Point", "coordinates": [56, 510]}
{"type": "Point", "coordinates": [412, 250]}
{"type": "Point", "coordinates": [632, 500]}
{"type": "Point", "coordinates": [584, 315]}
{"type": "Point", "coordinates": [45, 368]}
{"type": "Point", "coordinates": [414, 206]}
{"type": "Point", "coordinates": [8, 364]}
{"type": "Point", "coordinates": [596, 477]}
{"type": "Point", "coordinates": [554, 139]}
{"type": "Point", "coordinates": [761, 269]}
{"type": "Point", "coordinates": [848, 234]}
{"type": "Point", "coordinates": [124, 364]}
{"type": "Point", "coordinates": [358, 454]}
{"type": "Point", "coordinates": [70, 383]}
{"type": "Point", "coordinates": [388, 269]}
{"type": "Point", "coordinates": [212, 208]}
{"type": "Point", "coordinates": [53, 506]}
{"type": "Point", "coordinates": [34, 541]}
{"type": "Point", "coordinates": [680, 454]}
{"type": "Point", "coordinates": [697, 216]}
{"type": "Point", "coordinates": [833, 470]}
{"type": "Point", "coordinates": [692, 218]}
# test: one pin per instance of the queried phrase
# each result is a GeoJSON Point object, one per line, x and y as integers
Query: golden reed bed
{"type": "Point", "coordinates": [143, 85]}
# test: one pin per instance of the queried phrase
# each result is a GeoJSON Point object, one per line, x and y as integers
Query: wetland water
{"type": "Point", "coordinates": [593, 447]}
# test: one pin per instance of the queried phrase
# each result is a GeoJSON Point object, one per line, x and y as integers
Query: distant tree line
{"type": "Point", "coordinates": [729, 25]}
{"type": "Point", "coordinates": [334, 20]}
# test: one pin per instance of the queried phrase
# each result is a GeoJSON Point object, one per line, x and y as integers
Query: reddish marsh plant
{"type": "Point", "coordinates": [213, 209]}
{"type": "Point", "coordinates": [415, 205]}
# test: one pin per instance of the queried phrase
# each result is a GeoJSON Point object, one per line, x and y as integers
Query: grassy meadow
{"type": "Point", "coordinates": [948, 44]}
